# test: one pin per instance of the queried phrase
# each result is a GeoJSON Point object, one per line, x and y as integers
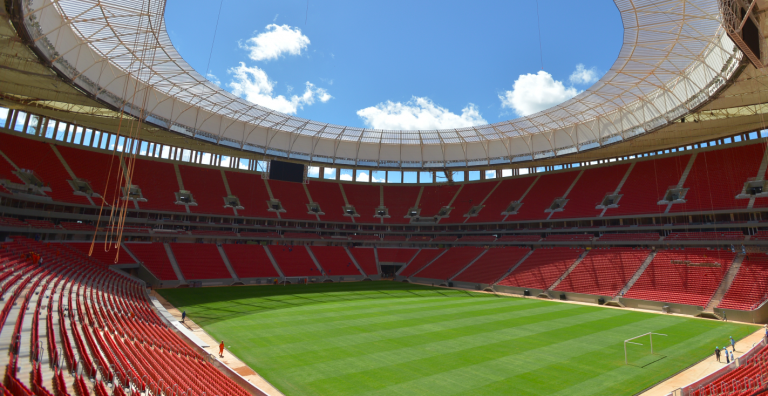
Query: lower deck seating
{"type": "Point", "coordinates": [294, 261]}
{"type": "Point", "coordinates": [366, 259]}
{"type": "Point", "coordinates": [335, 261]}
{"type": "Point", "coordinates": [750, 286]}
{"type": "Point", "coordinates": [450, 263]}
{"type": "Point", "coordinates": [748, 379]}
{"type": "Point", "coordinates": [117, 336]}
{"type": "Point", "coordinates": [154, 258]}
{"type": "Point", "coordinates": [200, 261]}
{"type": "Point", "coordinates": [103, 254]}
{"type": "Point", "coordinates": [249, 261]}
{"type": "Point", "coordinates": [683, 276]}
{"type": "Point", "coordinates": [422, 258]}
{"type": "Point", "coordinates": [492, 265]}
{"type": "Point", "coordinates": [542, 268]}
{"type": "Point", "coordinates": [396, 255]}
{"type": "Point", "coordinates": [604, 272]}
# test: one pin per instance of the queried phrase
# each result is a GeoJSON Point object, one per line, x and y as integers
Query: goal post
{"type": "Point", "coordinates": [629, 341]}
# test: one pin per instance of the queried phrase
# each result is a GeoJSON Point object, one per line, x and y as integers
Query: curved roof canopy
{"type": "Point", "coordinates": [675, 56]}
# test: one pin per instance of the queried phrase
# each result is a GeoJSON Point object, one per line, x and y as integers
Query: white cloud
{"type": "Point", "coordinates": [345, 177]}
{"type": "Point", "coordinates": [377, 180]}
{"type": "Point", "coordinates": [253, 84]}
{"type": "Point", "coordinates": [532, 93]}
{"type": "Point", "coordinates": [275, 42]}
{"type": "Point", "coordinates": [418, 113]}
{"type": "Point", "coordinates": [212, 78]}
{"type": "Point", "coordinates": [583, 75]}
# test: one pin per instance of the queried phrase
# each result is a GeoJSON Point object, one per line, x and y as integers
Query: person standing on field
{"type": "Point", "coordinates": [717, 354]}
{"type": "Point", "coordinates": [733, 344]}
{"type": "Point", "coordinates": [727, 359]}
{"type": "Point", "coordinates": [183, 316]}
{"type": "Point", "coordinates": [221, 349]}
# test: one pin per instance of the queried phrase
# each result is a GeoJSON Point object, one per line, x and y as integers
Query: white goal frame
{"type": "Point", "coordinates": [637, 343]}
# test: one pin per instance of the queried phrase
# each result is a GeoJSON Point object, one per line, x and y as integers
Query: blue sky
{"type": "Point", "coordinates": [399, 64]}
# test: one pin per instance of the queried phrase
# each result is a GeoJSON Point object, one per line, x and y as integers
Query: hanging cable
{"type": "Point", "coordinates": [538, 21]}
{"type": "Point", "coordinates": [215, 30]}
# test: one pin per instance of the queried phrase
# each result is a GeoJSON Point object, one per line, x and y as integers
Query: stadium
{"type": "Point", "coordinates": [163, 236]}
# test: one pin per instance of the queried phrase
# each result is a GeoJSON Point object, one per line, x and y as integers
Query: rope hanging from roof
{"type": "Point", "coordinates": [125, 159]}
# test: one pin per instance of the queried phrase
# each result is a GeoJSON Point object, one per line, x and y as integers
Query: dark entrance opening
{"type": "Point", "coordinates": [389, 270]}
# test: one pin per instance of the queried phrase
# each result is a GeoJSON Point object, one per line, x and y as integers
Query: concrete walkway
{"type": "Point", "coordinates": [229, 359]}
{"type": "Point", "coordinates": [703, 368]}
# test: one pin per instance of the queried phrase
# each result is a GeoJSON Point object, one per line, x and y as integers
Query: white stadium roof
{"type": "Point", "coordinates": [675, 57]}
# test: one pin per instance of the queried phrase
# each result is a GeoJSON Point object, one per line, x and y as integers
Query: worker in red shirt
{"type": "Point", "coordinates": [221, 349]}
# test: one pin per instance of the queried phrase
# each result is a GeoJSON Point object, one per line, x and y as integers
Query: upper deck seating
{"type": "Point", "coordinates": [154, 258]}
{"type": "Point", "coordinates": [434, 198]}
{"type": "Point", "coordinates": [647, 184]}
{"type": "Point", "coordinates": [470, 195]}
{"type": "Point", "coordinates": [328, 196]}
{"type": "Point", "coordinates": [158, 184]}
{"type": "Point", "coordinates": [543, 194]}
{"type": "Point", "coordinates": [400, 199]}
{"type": "Point", "coordinates": [293, 198]}
{"type": "Point", "coordinates": [252, 192]}
{"type": "Point", "coordinates": [365, 198]}
{"type": "Point", "coordinates": [207, 188]}
{"type": "Point", "coordinates": [498, 201]}
{"type": "Point", "coordinates": [589, 191]}
{"type": "Point", "coordinates": [718, 176]}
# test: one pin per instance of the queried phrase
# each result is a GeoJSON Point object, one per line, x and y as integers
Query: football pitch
{"type": "Point", "coordinates": [387, 338]}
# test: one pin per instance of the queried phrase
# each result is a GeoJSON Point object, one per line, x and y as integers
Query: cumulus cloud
{"type": "Point", "coordinates": [253, 84]}
{"type": "Point", "coordinates": [532, 93]}
{"type": "Point", "coordinates": [212, 78]}
{"type": "Point", "coordinates": [418, 113]}
{"type": "Point", "coordinates": [276, 41]}
{"type": "Point", "coordinates": [582, 75]}
{"type": "Point", "coordinates": [345, 177]}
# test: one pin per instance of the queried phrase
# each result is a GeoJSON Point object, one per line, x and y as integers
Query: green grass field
{"type": "Point", "coordinates": [387, 338]}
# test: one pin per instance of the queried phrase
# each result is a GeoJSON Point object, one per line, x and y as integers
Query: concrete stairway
{"type": "Point", "coordinates": [565, 274]}
{"type": "Point", "coordinates": [227, 263]}
{"type": "Point", "coordinates": [174, 264]}
{"type": "Point", "coordinates": [470, 263]}
{"type": "Point", "coordinates": [725, 284]}
{"type": "Point", "coordinates": [513, 268]}
{"type": "Point", "coordinates": [616, 302]}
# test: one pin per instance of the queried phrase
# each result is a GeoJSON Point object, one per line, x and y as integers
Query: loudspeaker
{"type": "Point", "coordinates": [601, 301]}
{"type": "Point", "coordinates": [562, 296]}
{"type": "Point", "coordinates": [527, 292]}
{"type": "Point", "coordinates": [450, 284]}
